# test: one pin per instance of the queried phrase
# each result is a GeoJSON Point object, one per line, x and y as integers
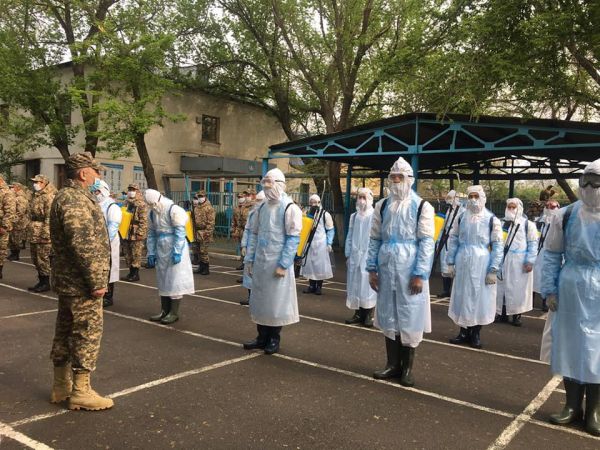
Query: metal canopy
{"type": "Point", "coordinates": [439, 148]}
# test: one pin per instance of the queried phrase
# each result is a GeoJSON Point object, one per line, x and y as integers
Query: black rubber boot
{"type": "Point", "coordinates": [273, 340]}
{"type": "Point", "coordinates": [261, 339]}
{"type": "Point", "coordinates": [573, 405]}
{"type": "Point", "coordinates": [544, 305]}
{"type": "Point", "coordinates": [356, 318]}
{"type": "Point", "coordinates": [312, 286]}
{"type": "Point", "coordinates": [318, 287]}
{"type": "Point", "coordinates": [475, 336]}
{"type": "Point", "coordinates": [135, 276]}
{"type": "Point", "coordinates": [36, 285]}
{"type": "Point", "coordinates": [205, 269]}
{"type": "Point", "coordinates": [516, 320]}
{"type": "Point", "coordinates": [44, 285]}
{"type": "Point", "coordinates": [1, 267]}
{"type": "Point", "coordinates": [407, 356]}
{"type": "Point", "coordinates": [592, 409]}
{"type": "Point", "coordinates": [165, 307]}
{"type": "Point", "coordinates": [368, 317]}
{"type": "Point", "coordinates": [199, 269]}
{"type": "Point", "coordinates": [108, 297]}
{"type": "Point", "coordinates": [392, 368]}
{"type": "Point", "coordinates": [446, 286]}
{"type": "Point", "coordinates": [173, 315]}
{"type": "Point", "coordinates": [501, 318]}
{"type": "Point", "coordinates": [240, 267]}
{"type": "Point", "coordinates": [247, 301]}
{"type": "Point", "coordinates": [463, 337]}
{"type": "Point", "coordinates": [14, 255]}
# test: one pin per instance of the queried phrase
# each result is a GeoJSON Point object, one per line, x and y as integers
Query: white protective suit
{"type": "Point", "coordinates": [272, 243]}
{"type": "Point", "coordinates": [260, 197]}
{"type": "Point", "coordinates": [545, 222]}
{"type": "Point", "coordinates": [575, 324]}
{"type": "Point", "coordinates": [401, 246]}
{"type": "Point", "coordinates": [318, 264]}
{"type": "Point", "coordinates": [166, 238]}
{"type": "Point", "coordinates": [473, 302]}
{"type": "Point", "coordinates": [515, 286]}
{"type": "Point", "coordinates": [112, 216]}
{"type": "Point", "coordinates": [358, 291]}
{"type": "Point", "coordinates": [455, 210]}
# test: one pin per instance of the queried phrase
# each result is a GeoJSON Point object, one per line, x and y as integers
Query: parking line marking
{"type": "Point", "coordinates": [142, 387]}
{"type": "Point", "coordinates": [28, 314]}
{"type": "Point", "coordinates": [218, 288]}
{"type": "Point", "coordinates": [522, 419]}
{"type": "Point", "coordinates": [9, 432]}
{"type": "Point", "coordinates": [563, 428]}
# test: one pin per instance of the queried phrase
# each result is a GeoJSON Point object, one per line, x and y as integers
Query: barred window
{"type": "Point", "coordinates": [210, 129]}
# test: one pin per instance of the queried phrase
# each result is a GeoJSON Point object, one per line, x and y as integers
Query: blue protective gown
{"type": "Point", "coordinates": [472, 302]}
{"type": "Point", "coordinates": [576, 324]}
{"type": "Point", "coordinates": [274, 242]}
{"type": "Point", "coordinates": [399, 249]}
{"type": "Point", "coordinates": [317, 265]}
{"type": "Point", "coordinates": [358, 291]}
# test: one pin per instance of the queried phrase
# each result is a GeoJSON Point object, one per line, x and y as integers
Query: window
{"type": "Point", "coordinates": [32, 168]}
{"type": "Point", "coordinates": [113, 175]}
{"type": "Point", "coordinates": [210, 129]}
{"type": "Point", "coordinates": [139, 177]}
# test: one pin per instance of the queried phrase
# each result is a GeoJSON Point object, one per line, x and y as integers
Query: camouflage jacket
{"type": "Point", "coordinates": [7, 208]}
{"type": "Point", "coordinates": [139, 221]}
{"type": "Point", "coordinates": [21, 212]}
{"type": "Point", "coordinates": [535, 209]}
{"type": "Point", "coordinates": [81, 262]}
{"type": "Point", "coordinates": [240, 216]}
{"type": "Point", "coordinates": [39, 215]}
{"type": "Point", "coordinates": [204, 222]}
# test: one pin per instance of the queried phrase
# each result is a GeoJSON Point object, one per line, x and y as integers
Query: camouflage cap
{"type": "Point", "coordinates": [40, 179]}
{"type": "Point", "coordinates": [133, 187]}
{"type": "Point", "coordinates": [82, 161]}
{"type": "Point", "coordinates": [250, 192]}
{"type": "Point", "coordinates": [201, 193]}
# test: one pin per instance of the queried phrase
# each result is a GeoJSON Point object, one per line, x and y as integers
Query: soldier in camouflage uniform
{"type": "Point", "coordinates": [7, 219]}
{"type": "Point", "coordinates": [536, 208]}
{"type": "Point", "coordinates": [17, 236]}
{"type": "Point", "coordinates": [204, 227]}
{"type": "Point", "coordinates": [38, 232]}
{"type": "Point", "coordinates": [240, 216]}
{"type": "Point", "coordinates": [133, 246]}
{"type": "Point", "coordinates": [80, 271]}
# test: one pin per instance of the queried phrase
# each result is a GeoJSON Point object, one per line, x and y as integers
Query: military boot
{"type": "Point", "coordinates": [14, 255]}
{"type": "Point", "coordinates": [241, 266]}
{"type": "Point", "coordinates": [165, 307]}
{"type": "Point", "coordinates": [1, 267]}
{"type": "Point", "coordinates": [368, 317]}
{"type": "Point", "coordinates": [135, 274]}
{"type": "Point", "coordinates": [573, 409]}
{"type": "Point", "coordinates": [463, 337]}
{"type": "Point", "coordinates": [44, 285]}
{"type": "Point", "coordinates": [407, 356]}
{"type": "Point", "coordinates": [261, 339]}
{"type": "Point", "coordinates": [273, 340]}
{"type": "Point", "coordinates": [392, 368]}
{"type": "Point", "coordinates": [246, 302]}
{"type": "Point", "coordinates": [516, 320]}
{"type": "Point", "coordinates": [205, 269]}
{"type": "Point", "coordinates": [356, 318]}
{"type": "Point", "coordinates": [128, 276]}
{"type": "Point", "coordinates": [318, 287]}
{"type": "Point", "coordinates": [592, 409]}
{"type": "Point", "coordinates": [32, 288]}
{"type": "Point", "coordinates": [84, 397]}
{"type": "Point", "coordinates": [108, 297]}
{"type": "Point", "coordinates": [312, 286]}
{"type": "Point", "coordinates": [173, 315]}
{"type": "Point", "coordinates": [63, 384]}
{"type": "Point", "coordinates": [475, 336]}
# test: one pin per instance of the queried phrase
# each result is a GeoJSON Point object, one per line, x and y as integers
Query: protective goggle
{"type": "Point", "coordinates": [589, 179]}
{"type": "Point", "coordinates": [269, 182]}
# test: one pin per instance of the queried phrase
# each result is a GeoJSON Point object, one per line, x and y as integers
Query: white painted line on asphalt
{"type": "Point", "coordinates": [28, 314]}
{"type": "Point", "coordinates": [142, 387]}
{"type": "Point", "coordinates": [564, 429]}
{"type": "Point", "coordinates": [519, 422]}
{"type": "Point", "coordinates": [9, 432]}
{"type": "Point", "coordinates": [398, 386]}
{"type": "Point", "coordinates": [219, 288]}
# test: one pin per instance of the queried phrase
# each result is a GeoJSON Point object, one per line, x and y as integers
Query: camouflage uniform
{"type": "Point", "coordinates": [7, 219]}
{"type": "Point", "coordinates": [38, 232]}
{"type": "Point", "coordinates": [133, 246]}
{"type": "Point", "coordinates": [18, 234]}
{"type": "Point", "coordinates": [204, 227]}
{"type": "Point", "coordinates": [81, 265]}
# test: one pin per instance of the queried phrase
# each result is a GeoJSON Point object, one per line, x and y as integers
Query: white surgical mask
{"type": "Point", "coordinates": [590, 196]}
{"type": "Point", "coordinates": [241, 200]}
{"type": "Point", "coordinates": [37, 187]}
{"type": "Point", "coordinates": [195, 201]}
{"type": "Point", "coordinates": [131, 194]}
{"type": "Point", "coordinates": [202, 199]}
{"type": "Point", "coordinates": [100, 198]}
{"type": "Point", "coordinates": [550, 212]}
{"type": "Point", "coordinates": [400, 190]}
{"type": "Point", "coordinates": [473, 205]}
{"type": "Point", "coordinates": [510, 214]}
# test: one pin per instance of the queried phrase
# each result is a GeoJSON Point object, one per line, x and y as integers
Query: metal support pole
{"type": "Point", "coordinates": [476, 174]}
{"type": "Point", "coordinates": [451, 183]}
{"type": "Point", "coordinates": [511, 188]}
{"type": "Point", "coordinates": [381, 185]}
{"type": "Point", "coordinates": [186, 182]}
{"type": "Point", "coordinates": [414, 162]}
{"type": "Point", "coordinates": [265, 166]}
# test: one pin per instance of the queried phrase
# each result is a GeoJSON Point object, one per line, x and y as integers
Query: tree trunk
{"type": "Point", "coordinates": [142, 150]}
{"type": "Point", "coordinates": [563, 183]}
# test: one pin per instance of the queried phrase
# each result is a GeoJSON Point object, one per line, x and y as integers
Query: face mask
{"type": "Point", "coordinates": [400, 190]}
{"type": "Point", "coordinates": [100, 198]}
{"type": "Point", "coordinates": [95, 186]}
{"type": "Point", "coordinates": [202, 199]}
{"type": "Point", "coordinates": [510, 214]}
{"type": "Point", "coordinates": [473, 205]}
{"type": "Point", "coordinates": [550, 212]}
{"type": "Point", "coordinates": [195, 201]}
{"type": "Point", "coordinates": [37, 187]}
{"type": "Point", "coordinates": [590, 196]}
{"type": "Point", "coordinates": [361, 204]}
{"type": "Point", "coordinates": [241, 201]}
{"type": "Point", "coordinates": [131, 194]}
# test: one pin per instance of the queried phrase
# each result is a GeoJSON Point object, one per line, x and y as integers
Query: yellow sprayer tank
{"type": "Point", "coordinates": [307, 223]}
{"type": "Point", "coordinates": [189, 228]}
{"type": "Point", "coordinates": [125, 223]}
{"type": "Point", "coordinates": [438, 222]}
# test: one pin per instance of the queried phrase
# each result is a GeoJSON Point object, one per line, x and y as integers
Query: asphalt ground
{"type": "Point", "coordinates": [191, 385]}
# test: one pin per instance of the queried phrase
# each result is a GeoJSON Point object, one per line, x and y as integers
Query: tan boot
{"type": "Point", "coordinates": [84, 397]}
{"type": "Point", "coordinates": [63, 384]}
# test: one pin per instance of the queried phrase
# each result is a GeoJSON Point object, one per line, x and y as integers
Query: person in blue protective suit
{"type": "Point", "coordinates": [514, 295]}
{"type": "Point", "coordinates": [273, 243]}
{"type": "Point", "coordinates": [112, 216]}
{"type": "Point", "coordinates": [474, 257]}
{"type": "Point", "coordinates": [317, 266]}
{"type": "Point", "coordinates": [399, 263]}
{"type": "Point", "coordinates": [454, 211]}
{"type": "Point", "coordinates": [360, 297]}
{"type": "Point", "coordinates": [543, 225]}
{"type": "Point", "coordinates": [168, 251]}
{"type": "Point", "coordinates": [247, 279]}
{"type": "Point", "coordinates": [573, 293]}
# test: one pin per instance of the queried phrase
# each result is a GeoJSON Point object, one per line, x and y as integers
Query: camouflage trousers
{"type": "Point", "coordinates": [201, 249]}
{"type": "Point", "coordinates": [40, 256]}
{"type": "Point", "coordinates": [133, 251]}
{"type": "Point", "coordinates": [3, 248]}
{"type": "Point", "coordinates": [78, 333]}
{"type": "Point", "coordinates": [16, 239]}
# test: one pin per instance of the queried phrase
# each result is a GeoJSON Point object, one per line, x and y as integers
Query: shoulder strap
{"type": "Point", "coordinates": [567, 216]}
{"type": "Point", "coordinates": [383, 206]}
{"type": "Point", "coordinates": [169, 213]}
{"type": "Point", "coordinates": [284, 212]}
